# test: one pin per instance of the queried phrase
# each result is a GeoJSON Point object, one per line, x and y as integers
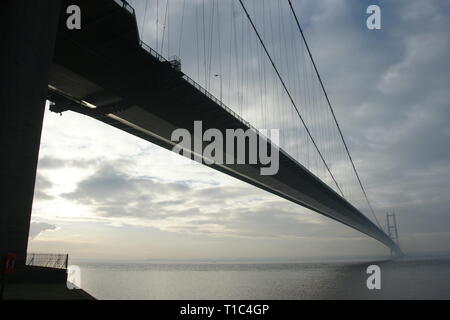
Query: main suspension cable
{"type": "Point", "coordinates": [288, 93]}
{"type": "Point", "coordinates": [331, 110]}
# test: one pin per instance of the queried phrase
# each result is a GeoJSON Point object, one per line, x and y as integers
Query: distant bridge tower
{"type": "Point", "coordinates": [391, 228]}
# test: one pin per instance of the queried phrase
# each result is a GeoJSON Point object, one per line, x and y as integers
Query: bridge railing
{"type": "Point", "coordinates": [55, 261]}
{"type": "Point", "coordinates": [191, 81]}
{"type": "Point", "coordinates": [125, 5]}
{"type": "Point", "coordinates": [160, 58]}
{"type": "Point", "coordinates": [228, 109]}
{"type": "Point", "coordinates": [155, 54]}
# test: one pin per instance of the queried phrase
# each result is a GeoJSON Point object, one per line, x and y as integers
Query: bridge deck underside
{"type": "Point", "coordinates": [105, 65]}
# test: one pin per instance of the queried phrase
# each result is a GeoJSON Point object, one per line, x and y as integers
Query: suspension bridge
{"type": "Point", "coordinates": [153, 66]}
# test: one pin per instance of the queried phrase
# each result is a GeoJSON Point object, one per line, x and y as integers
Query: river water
{"type": "Point", "coordinates": [405, 279]}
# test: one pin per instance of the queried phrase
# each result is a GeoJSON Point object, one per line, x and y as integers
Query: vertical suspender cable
{"type": "Point", "coordinates": [181, 30]}
{"type": "Point", "coordinates": [288, 93]}
{"type": "Point", "coordinates": [332, 111]}
{"type": "Point", "coordinates": [143, 21]}
{"type": "Point", "coordinates": [157, 25]}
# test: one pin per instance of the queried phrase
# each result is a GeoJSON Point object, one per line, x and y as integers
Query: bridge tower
{"type": "Point", "coordinates": [391, 228]}
{"type": "Point", "coordinates": [28, 33]}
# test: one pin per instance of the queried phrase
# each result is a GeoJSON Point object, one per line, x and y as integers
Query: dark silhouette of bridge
{"type": "Point", "coordinates": [106, 72]}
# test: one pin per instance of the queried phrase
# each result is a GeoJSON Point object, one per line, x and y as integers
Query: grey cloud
{"type": "Point", "coordinates": [235, 210]}
{"type": "Point", "coordinates": [41, 188]}
{"type": "Point", "coordinates": [116, 194]}
{"type": "Point", "coordinates": [36, 228]}
{"type": "Point", "coordinates": [49, 162]}
{"type": "Point", "coordinates": [397, 110]}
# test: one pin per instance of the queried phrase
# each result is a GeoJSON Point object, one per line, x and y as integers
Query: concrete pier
{"type": "Point", "coordinates": [27, 36]}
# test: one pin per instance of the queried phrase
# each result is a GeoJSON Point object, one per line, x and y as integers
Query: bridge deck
{"type": "Point", "coordinates": [138, 91]}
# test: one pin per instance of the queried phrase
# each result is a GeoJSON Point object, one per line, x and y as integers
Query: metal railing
{"type": "Point", "coordinates": [126, 5]}
{"type": "Point", "coordinates": [155, 54]}
{"type": "Point", "coordinates": [160, 58]}
{"type": "Point", "coordinates": [56, 261]}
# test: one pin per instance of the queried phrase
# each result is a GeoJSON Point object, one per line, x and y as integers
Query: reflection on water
{"type": "Point", "coordinates": [421, 279]}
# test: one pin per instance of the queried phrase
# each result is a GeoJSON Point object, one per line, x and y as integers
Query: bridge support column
{"type": "Point", "coordinates": [27, 37]}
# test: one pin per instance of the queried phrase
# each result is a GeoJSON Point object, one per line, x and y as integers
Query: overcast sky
{"type": "Point", "coordinates": [102, 193]}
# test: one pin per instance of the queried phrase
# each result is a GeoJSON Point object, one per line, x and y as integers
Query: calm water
{"type": "Point", "coordinates": [419, 279]}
